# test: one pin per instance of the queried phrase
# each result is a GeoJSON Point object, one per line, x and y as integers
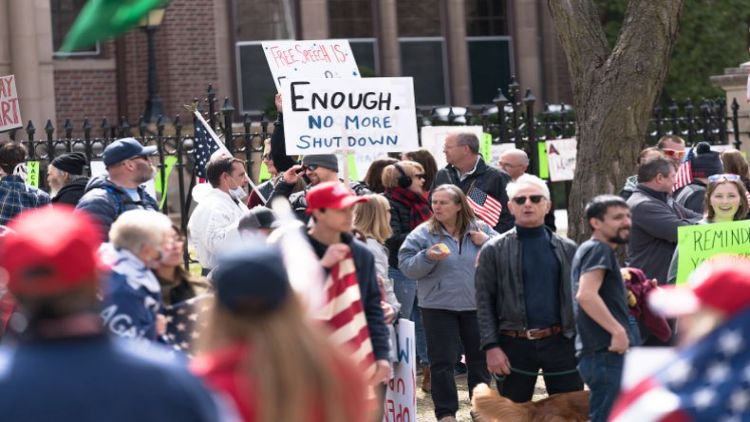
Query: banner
{"type": "Point", "coordinates": [32, 173]}
{"type": "Point", "coordinates": [433, 140]}
{"type": "Point", "coordinates": [169, 163]}
{"type": "Point", "coordinates": [401, 392]}
{"type": "Point", "coordinates": [561, 159]}
{"type": "Point", "coordinates": [10, 111]}
{"type": "Point", "coordinates": [310, 59]}
{"type": "Point", "coordinates": [324, 116]}
{"type": "Point", "coordinates": [702, 241]}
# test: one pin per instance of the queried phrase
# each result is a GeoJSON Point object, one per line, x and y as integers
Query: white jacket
{"type": "Point", "coordinates": [213, 223]}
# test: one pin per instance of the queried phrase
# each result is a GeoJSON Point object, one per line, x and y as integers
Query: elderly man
{"type": "Point", "coordinates": [524, 298]}
{"type": "Point", "coordinates": [214, 220]}
{"type": "Point", "coordinates": [15, 195]}
{"type": "Point", "coordinates": [515, 162]}
{"type": "Point", "coordinates": [65, 178]}
{"type": "Point", "coordinates": [484, 185]}
{"type": "Point", "coordinates": [128, 167]}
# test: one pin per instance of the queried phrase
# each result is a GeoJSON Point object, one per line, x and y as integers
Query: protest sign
{"type": "Point", "coordinates": [700, 242]}
{"type": "Point", "coordinates": [310, 59]}
{"type": "Point", "coordinates": [359, 163]}
{"type": "Point", "coordinates": [32, 173]}
{"type": "Point", "coordinates": [433, 139]}
{"type": "Point", "coordinates": [10, 111]}
{"type": "Point", "coordinates": [401, 392]}
{"type": "Point", "coordinates": [323, 116]}
{"type": "Point", "coordinates": [561, 159]}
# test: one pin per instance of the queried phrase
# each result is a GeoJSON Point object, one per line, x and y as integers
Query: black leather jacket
{"type": "Point", "coordinates": [500, 295]}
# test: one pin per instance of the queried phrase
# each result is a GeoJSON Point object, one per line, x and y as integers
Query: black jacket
{"type": "Point", "coordinates": [400, 216]}
{"type": "Point", "coordinates": [72, 192]}
{"type": "Point", "coordinates": [488, 179]}
{"type": "Point", "coordinates": [500, 296]}
{"type": "Point", "coordinates": [370, 292]}
{"type": "Point", "coordinates": [281, 161]}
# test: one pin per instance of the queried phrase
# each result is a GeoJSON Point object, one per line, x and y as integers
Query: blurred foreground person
{"type": "Point", "coordinates": [708, 379]}
{"type": "Point", "coordinates": [65, 368]}
{"type": "Point", "coordinates": [266, 355]}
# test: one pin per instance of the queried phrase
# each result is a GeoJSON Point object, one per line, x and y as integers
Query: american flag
{"type": "Point", "coordinates": [708, 381]}
{"type": "Point", "coordinates": [185, 322]}
{"type": "Point", "coordinates": [485, 207]}
{"type": "Point", "coordinates": [204, 146]}
{"type": "Point", "coordinates": [684, 173]}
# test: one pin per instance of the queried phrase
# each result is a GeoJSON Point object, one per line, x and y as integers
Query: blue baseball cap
{"type": "Point", "coordinates": [251, 279]}
{"type": "Point", "coordinates": [124, 149]}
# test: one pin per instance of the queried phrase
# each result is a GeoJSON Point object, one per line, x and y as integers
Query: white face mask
{"type": "Point", "coordinates": [238, 193]}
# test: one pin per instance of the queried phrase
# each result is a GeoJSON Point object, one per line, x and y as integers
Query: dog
{"type": "Point", "coordinates": [490, 406]}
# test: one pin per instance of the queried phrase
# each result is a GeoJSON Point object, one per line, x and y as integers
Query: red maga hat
{"type": "Point", "coordinates": [49, 251]}
{"type": "Point", "coordinates": [331, 195]}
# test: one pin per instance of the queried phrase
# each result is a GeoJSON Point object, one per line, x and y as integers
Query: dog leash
{"type": "Point", "coordinates": [500, 378]}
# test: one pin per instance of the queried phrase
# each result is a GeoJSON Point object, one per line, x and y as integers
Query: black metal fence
{"type": "Point", "coordinates": [511, 120]}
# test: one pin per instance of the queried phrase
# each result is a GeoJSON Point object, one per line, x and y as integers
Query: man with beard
{"type": "Point", "coordinates": [65, 178]}
{"type": "Point", "coordinates": [601, 303]}
{"type": "Point", "coordinates": [128, 167]}
{"type": "Point", "coordinates": [524, 298]}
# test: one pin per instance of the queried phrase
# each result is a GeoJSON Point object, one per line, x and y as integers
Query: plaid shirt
{"type": "Point", "coordinates": [15, 197]}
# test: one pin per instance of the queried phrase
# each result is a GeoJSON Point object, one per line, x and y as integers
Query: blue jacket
{"type": "Point", "coordinates": [132, 296]}
{"type": "Point", "coordinates": [96, 379]}
{"type": "Point", "coordinates": [446, 284]}
{"type": "Point", "coordinates": [105, 201]}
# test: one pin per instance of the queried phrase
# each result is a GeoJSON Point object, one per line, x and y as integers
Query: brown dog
{"type": "Point", "coordinates": [563, 407]}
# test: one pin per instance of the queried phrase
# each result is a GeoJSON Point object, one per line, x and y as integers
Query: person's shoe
{"type": "Point", "coordinates": [426, 380]}
{"type": "Point", "coordinates": [447, 419]}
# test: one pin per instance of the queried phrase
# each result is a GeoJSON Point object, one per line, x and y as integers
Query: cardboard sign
{"type": "Point", "coordinates": [433, 139]}
{"type": "Point", "coordinates": [561, 159]}
{"type": "Point", "coordinates": [702, 241]}
{"type": "Point", "coordinates": [310, 59]}
{"type": "Point", "coordinates": [323, 116]}
{"type": "Point", "coordinates": [32, 173]}
{"type": "Point", "coordinates": [401, 393]}
{"type": "Point", "coordinates": [10, 111]}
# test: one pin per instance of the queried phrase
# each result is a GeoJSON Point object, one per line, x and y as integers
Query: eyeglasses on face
{"type": "Point", "coordinates": [535, 199]}
{"type": "Point", "coordinates": [669, 152]}
{"type": "Point", "coordinates": [726, 177]}
{"type": "Point", "coordinates": [312, 167]}
{"type": "Point", "coordinates": [419, 176]}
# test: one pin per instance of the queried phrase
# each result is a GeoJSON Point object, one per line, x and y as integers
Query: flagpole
{"type": "Point", "coordinates": [224, 149]}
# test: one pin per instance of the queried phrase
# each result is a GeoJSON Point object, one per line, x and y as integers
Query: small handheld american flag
{"type": "Point", "coordinates": [485, 207]}
{"type": "Point", "coordinates": [204, 147]}
{"type": "Point", "coordinates": [684, 173]}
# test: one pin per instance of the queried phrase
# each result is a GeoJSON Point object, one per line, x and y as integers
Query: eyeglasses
{"type": "Point", "coordinates": [726, 177]}
{"type": "Point", "coordinates": [312, 167]}
{"type": "Point", "coordinates": [669, 152]}
{"type": "Point", "coordinates": [138, 157]}
{"type": "Point", "coordinates": [419, 176]}
{"type": "Point", "coordinates": [535, 199]}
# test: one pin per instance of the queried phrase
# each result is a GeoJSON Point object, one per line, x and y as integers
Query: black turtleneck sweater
{"type": "Point", "coordinates": [541, 277]}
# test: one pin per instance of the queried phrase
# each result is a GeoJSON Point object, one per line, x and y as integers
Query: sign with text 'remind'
{"type": "Point", "coordinates": [10, 111]}
{"type": "Point", "coordinates": [324, 116]}
{"type": "Point", "coordinates": [310, 59]}
{"type": "Point", "coordinates": [702, 241]}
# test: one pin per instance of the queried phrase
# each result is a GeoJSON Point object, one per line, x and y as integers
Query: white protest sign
{"type": "Point", "coordinates": [99, 169]}
{"type": "Point", "coordinates": [433, 139]}
{"type": "Point", "coordinates": [10, 111]}
{"type": "Point", "coordinates": [310, 59]}
{"type": "Point", "coordinates": [358, 163]}
{"type": "Point", "coordinates": [401, 392]}
{"type": "Point", "coordinates": [323, 116]}
{"type": "Point", "coordinates": [561, 156]}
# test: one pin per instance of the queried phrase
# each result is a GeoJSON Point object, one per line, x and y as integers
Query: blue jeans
{"type": "Point", "coordinates": [602, 372]}
{"type": "Point", "coordinates": [406, 293]}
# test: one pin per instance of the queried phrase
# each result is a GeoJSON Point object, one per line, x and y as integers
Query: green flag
{"type": "Point", "coordinates": [169, 163]}
{"type": "Point", "coordinates": [102, 19]}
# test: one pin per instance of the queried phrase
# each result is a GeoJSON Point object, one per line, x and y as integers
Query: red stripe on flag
{"type": "Point", "coordinates": [490, 215]}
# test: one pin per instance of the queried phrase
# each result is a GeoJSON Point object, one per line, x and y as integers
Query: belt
{"type": "Point", "coordinates": [534, 333]}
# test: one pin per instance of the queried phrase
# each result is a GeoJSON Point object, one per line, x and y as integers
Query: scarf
{"type": "Point", "coordinates": [419, 209]}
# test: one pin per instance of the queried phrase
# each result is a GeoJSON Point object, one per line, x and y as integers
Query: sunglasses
{"type": "Point", "coordinates": [420, 176]}
{"type": "Point", "coordinates": [535, 199]}
{"type": "Point", "coordinates": [726, 177]}
{"type": "Point", "coordinates": [312, 167]}
{"type": "Point", "coordinates": [673, 153]}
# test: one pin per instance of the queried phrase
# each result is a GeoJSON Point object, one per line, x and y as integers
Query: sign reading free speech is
{"type": "Point", "coordinates": [323, 116]}
{"type": "Point", "coordinates": [310, 59]}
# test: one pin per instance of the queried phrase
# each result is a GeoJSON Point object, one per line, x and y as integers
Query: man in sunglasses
{"type": "Point", "coordinates": [524, 298]}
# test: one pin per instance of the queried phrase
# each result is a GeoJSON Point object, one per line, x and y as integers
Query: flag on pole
{"type": "Point", "coordinates": [684, 173]}
{"type": "Point", "coordinates": [485, 207]}
{"type": "Point", "coordinates": [204, 147]}
{"type": "Point", "coordinates": [102, 19]}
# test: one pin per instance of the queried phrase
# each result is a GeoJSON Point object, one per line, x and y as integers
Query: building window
{"type": "Point", "coordinates": [350, 18]}
{"type": "Point", "coordinates": [64, 13]}
{"type": "Point", "coordinates": [418, 18]}
{"type": "Point", "coordinates": [486, 18]}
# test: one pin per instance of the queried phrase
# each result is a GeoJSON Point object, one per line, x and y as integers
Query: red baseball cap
{"type": "Point", "coordinates": [721, 283]}
{"type": "Point", "coordinates": [49, 251]}
{"type": "Point", "coordinates": [331, 195]}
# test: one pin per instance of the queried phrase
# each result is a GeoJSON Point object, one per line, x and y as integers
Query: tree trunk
{"type": "Point", "coordinates": [614, 91]}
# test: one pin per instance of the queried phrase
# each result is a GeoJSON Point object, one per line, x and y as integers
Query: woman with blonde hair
{"type": "Point", "coordinates": [262, 352]}
{"type": "Point", "coordinates": [441, 255]}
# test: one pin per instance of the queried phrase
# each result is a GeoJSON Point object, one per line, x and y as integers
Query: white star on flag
{"type": "Point", "coordinates": [730, 343]}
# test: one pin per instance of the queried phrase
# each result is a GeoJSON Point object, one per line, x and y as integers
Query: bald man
{"type": "Point", "coordinates": [514, 162]}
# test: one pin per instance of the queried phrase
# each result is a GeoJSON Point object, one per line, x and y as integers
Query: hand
{"type": "Point", "coordinates": [277, 102]}
{"type": "Point", "coordinates": [382, 372]}
{"type": "Point", "coordinates": [620, 341]}
{"type": "Point", "coordinates": [161, 325]}
{"type": "Point", "coordinates": [437, 254]}
{"type": "Point", "coordinates": [478, 237]}
{"type": "Point", "coordinates": [292, 175]}
{"type": "Point", "coordinates": [497, 361]}
{"type": "Point", "coordinates": [389, 314]}
{"type": "Point", "coordinates": [334, 254]}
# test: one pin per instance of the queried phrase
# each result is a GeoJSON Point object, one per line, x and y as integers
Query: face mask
{"type": "Point", "coordinates": [238, 193]}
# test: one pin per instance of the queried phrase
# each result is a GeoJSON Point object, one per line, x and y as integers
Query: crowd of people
{"type": "Point", "coordinates": [99, 312]}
